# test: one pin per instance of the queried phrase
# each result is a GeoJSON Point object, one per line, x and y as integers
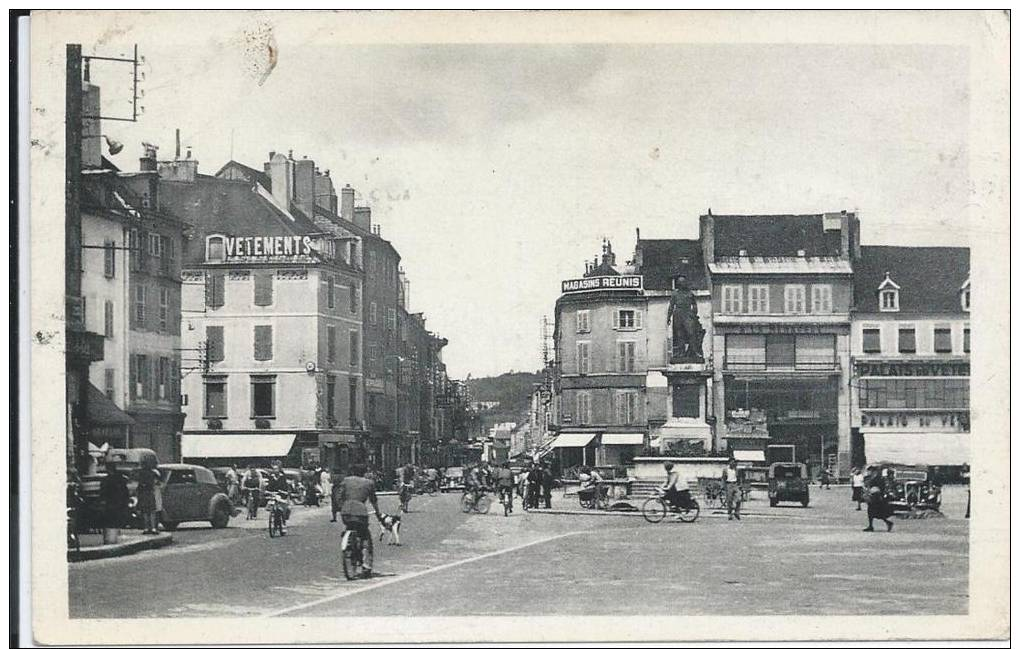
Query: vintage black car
{"type": "Point", "coordinates": [910, 487]}
{"type": "Point", "coordinates": [191, 493]}
{"type": "Point", "coordinates": [788, 482]}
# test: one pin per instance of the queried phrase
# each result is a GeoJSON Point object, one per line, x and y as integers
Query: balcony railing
{"type": "Point", "coordinates": [756, 365]}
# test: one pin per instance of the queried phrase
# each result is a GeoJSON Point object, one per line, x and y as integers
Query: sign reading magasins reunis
{"type": "Point", "coordinates": [604, 283]}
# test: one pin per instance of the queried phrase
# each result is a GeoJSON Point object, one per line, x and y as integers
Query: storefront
{"type": "Point", "coordinates": [237, 448]}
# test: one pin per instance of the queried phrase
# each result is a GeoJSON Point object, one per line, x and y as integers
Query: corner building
{"type": "Point", "coordinates": [782, 290]}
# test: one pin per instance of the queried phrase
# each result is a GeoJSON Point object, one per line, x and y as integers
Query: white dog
{"type": "Point", "coordinates": [390, 524]}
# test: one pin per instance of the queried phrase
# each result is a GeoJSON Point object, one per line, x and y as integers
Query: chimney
{"type": "Point", "coordinates": [280, 178]}
{"type": "Point", "coordinates": [91, 131]}
{"type": "Point", "coordinates": [362, 216]}
{"type": "Point", "coordinates": [706, 232]}
{"type": "Point", "coordinates": [304, 185]}
{"type": "Point", "coordinates": [347, 203]}
{"type": "Point", "coordinates": [148, 160]}
{"type": "Point", "coordinates": [177, 140]}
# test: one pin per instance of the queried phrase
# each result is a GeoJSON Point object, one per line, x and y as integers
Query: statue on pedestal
{"type": "Point", "coordinates": [688, 333]}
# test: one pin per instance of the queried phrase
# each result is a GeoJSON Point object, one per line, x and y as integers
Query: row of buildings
{"type": "Point", "coordinates": [766, 331]}
{"type": "Point", "coordinates": [247, 315]}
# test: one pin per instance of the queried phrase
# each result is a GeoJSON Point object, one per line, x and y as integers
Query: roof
{"type": "Point", "coordinates": [662, 259]}
{"type": "Point", "coordinates": [780, 265]}
{"type": "Point", "coordinates": [930, 278]}
{"type": "Point", "coordinates": [234, 170]}
{"type": "Point", "coordinates": [774, 235]}
{"type": "Point", "coordinates": [104, 413]}
{"type": "Point", "coordinates": [212, 205]}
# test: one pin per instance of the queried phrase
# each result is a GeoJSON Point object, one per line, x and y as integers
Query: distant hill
{"type": "Point", "coordinates": [512, 390]}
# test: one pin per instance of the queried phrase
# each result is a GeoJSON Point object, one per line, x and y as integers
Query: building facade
{"type": "Point", "coordinates": [782, 291]}
{"type": "Point", "coordinates": [911, 356]}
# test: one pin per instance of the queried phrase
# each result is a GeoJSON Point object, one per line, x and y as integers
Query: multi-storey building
{"type": "Point", "coordinates": [603, 352]}
{"type": "Point", "coordinates": [911, 356]}
{"type": "Point", "coordinates": [272, 322]}
{"type": "Point", "coordinates": [781, 296]}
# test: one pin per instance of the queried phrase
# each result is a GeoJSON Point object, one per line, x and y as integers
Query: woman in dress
{"type": "Point", "coordinates": [878, 504]}
{"type": "Point", "coordinates": [149, 498]}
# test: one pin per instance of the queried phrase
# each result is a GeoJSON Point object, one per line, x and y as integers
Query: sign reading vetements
{"type": "Point", "coordinates": [607, 283]}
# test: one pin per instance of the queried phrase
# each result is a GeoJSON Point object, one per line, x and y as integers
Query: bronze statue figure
{"type": "Point", "coordinates": [687, 330]}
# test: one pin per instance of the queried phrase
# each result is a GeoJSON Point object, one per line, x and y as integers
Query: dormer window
{"type": "Point", "coordinates": [965, 296]}
{"type": "Point", "coordinates": [888, 295]}
{"type": "Point", "coordinates": [214, 248]}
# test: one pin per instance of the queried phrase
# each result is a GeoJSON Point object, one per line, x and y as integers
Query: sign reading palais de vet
{"type": "Point", "coordinates": [603, 283]}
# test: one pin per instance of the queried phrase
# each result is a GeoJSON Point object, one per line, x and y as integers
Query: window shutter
{"type": "Point", "coordinates": [616, 319]}
{"type": "Point", "coordinates": [263, 288]}
{"type": "Point", "coordinates": [580, 321]}
{"type": "Point", "coordinates": [637, 319]}
{"type": "Point", "coordinates": [108, 319]}
{"type": "Point", "coordinates": [263, 342]}
{"type": "Point", "coordinates": [214, 290]}
{"type": "Point", "coordinates": [133, 375]}
{"type": "Point", "coordinates": [214, 344]}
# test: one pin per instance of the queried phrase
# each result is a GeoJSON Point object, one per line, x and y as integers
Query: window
{"type": "Point", "coordinates": [215, 249]}
{"type": "Point", "coordinates": [965, 299]}
{"type": "Point", "coordinates": [263, 288]}
{"type": "Point", "coordinates": [733, 298]}
{"type": "Point", "coordinates": [109, 258]}
{"type": "Point", "coordinates": [355, 352]}
{"type": "Point", "coordinates": [625, 356]}
{"type": "Point", "coordinates": [216, 397]}
{"type": "Point", "coordinates": [687, 400]}
{"type": "Point", "coordinates": [815, 351]}
{"type": "Point", "coordinates": [821, 298]}
{"type": "Point", "coordinates": [164, 309]}
{"type": "Point", "coordinates": [933, 393]}
{"type": "Point", "coordinates": [214, 351]}
{"type": "Point", "coordinates": [163, 378]}
{"type": "Point", "coordinates": [627, 319]}
{"type": "Point", "coordinates": [142, 378]}
{"type": "Point", "coordinates": [330, 299]}
{"type": "Point", "coordinates": [966, 340]}
{"type": "Point", "coordinates": [583, 358]}
{"type": "Point", "coordinates": [373, 316]}
{"type": "Point", "coordinates": [889, 300]}
{"type": "Point", "coordinates": [583, 408]}
{"type": "Point", "coordinates": [391, 319]}
{"type": "Point", "coordinates": [793, 298]}
{"type": "Point", "coordinates": [908, 340]}
{"type": "Point", "coordinates": [140, 306]}
{"type": "Point", "coordinates": [943, 340]}
{"type": "Point", "coordinates": [263, 342]}
{"type": "Point", "coordinates": [330, 343]}
{"type": "Point", "coordinates": [583, 322]}
{"type": "Point", "coordinates": [155, 245]}
{"type": "Point", "coordinates": [354, 298]}
{"type": "Point", "coordinates": [780, 350]}
{"type": "Point", "coordinates": [263, 396]}
{"type": "Point", "coordinates": [215, 288]}
{"type": "Point", "coordinates": [872, 343]}
{"type": "Point", "coordinates": [372, 265]}
{"type": "Point", "coordinates": [108, 319]}
{"type": "Point", "coordinates": [108, 386]}
{"type": "Point", "coordinates": [626, 407]}
{"type": "Point", "coordinates": [136, 249]}
{"type": "Point", "coordinates": [745, 351]}
{"type": "Point", "coordinates": [331, 399]}
{"type": "Point", "coordinates": [352, 399]}
{"type": "Point", "coordinates": [758, 299]}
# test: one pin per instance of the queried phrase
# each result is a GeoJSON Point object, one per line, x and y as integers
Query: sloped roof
{"type": "Point", "coordinates": [930, 278]}
{"type": "Point", "coordinates": [102, 412]}
{"type": "Point", "coordinates": [774, 235]}
{"type": "Point", "coordinates": [212, 205]}
{"type": "Point", "coordinates": [249, 173]}
{"type": "Point", "coordinates": [661, 259]}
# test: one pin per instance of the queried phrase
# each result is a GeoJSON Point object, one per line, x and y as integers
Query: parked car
{"type": "Point", "coordinates": [788, 482]}
{"type": "Point", "coordinates": [191, 493]}
{"type": "Point", "coordinates": [454, 478]}
{"type": "Point", "coordinates": [912, 487]}
{"type": "Point", "coordinates": [128, 461]}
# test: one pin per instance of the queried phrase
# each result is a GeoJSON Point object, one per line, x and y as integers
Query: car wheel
{"type": "Point", "coordinates": [170, 526]}
{"type": "Point", "coordinates": [773, 502]}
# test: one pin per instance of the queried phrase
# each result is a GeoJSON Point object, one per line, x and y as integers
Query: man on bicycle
{"type": "Point", "coordinates": [353, 493]}
{"type": "Point", "coordinates": [278, 485]}
{"type": "Point", "coordinates": [677, 491]}
{"type": "Point", "coordinates": [250, 484]}
{"type": "Point", "coordinates": [505, 484]}
{"type": "Point", "coordinates": [432, 475]}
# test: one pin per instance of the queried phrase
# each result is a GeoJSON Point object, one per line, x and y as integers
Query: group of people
{"type": "Point", "coordinates": [677, 490]}
{"type": "Point", "coordinates": [534, 484]}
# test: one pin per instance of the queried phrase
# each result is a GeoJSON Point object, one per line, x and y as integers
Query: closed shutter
{"type": "Point", "coordinates": [214, 344]}
{"type": "Point", "coordinates": [109, 259]}
{"type": "Point", "coordinates": [355, 355]}
{"type": "Point", "coordinates": [108, 319]}
{"type": "Point", "coordinates": [263, 342]}
{"type": "Point", "coordinates": [214, 290]}
{"type": "Point", "coordinates": [330, 343]}
{"type": "Point", "coordinates": [133, 375]}
{"type": "Point", "coordinates": [616, 319]}
{"type": "Point", "coordinates": [637, 319]}
{"type": "Point", "coordinates": [263, 288]}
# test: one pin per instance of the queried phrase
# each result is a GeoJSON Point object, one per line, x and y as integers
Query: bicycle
{"type": "Point", "coordinates": [251, 497]}
{"type": "Point", "coordinates": [430, 487]}
{"type": "Point", "coordinates": [352, 552]}
{"type": "Point", "coordinates": [276, 516]}
{"type": "Point", "coordinates": [506, 498]}
{"type": "Point", "coordinates": [655, 509]}
{"type": "Point", "coordinates": [405, 497]}
{"type": "Point", "coordinates": [475, 500]}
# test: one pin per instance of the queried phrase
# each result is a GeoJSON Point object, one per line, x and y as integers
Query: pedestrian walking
{"type": "Point", "coordinates": [878, 502]}
{"type": "Point", "coordinates": [325, 483]}
{"type": "Point", "coordinates": [857, 487]}
{"type": "Point", "coordinates": [147, 492]}
{"type": "Point", "coordinates": [534, 486]}
{"type": "Point", "coordinates": [522, 487]}
{"type": "Point", "coordinates": [233, 484]}
{"type": "Point", "coordinates": [547, 486]}
{"type": "Point", "coordinates": [114, 497]}
{"type": "Point", "coordinates": [335, 498]}
{"type": "Point", "coordinates": [731, 482]}
{"type": "Point", "coordinates": [826, 478]}
{"type": "Point", "coordinates": [965, 479]}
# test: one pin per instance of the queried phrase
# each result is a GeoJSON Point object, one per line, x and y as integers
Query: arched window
{"type": "Point", "coordinates": [888, 295]}
{"type": "Point", "coordinates": [215, 250]}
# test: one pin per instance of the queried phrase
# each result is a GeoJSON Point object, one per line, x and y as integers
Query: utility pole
{"type": "Point", "coordinates": [76, 375]}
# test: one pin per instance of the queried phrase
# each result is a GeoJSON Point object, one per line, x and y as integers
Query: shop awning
{"type": "Point", "coordinates": [749, 456]}
{"type": "Point", "coordinates": [236, 445]}
{"type": "Point", "coordinates": [572, 440]}
{"type": "Point", "coordinates": [623, 439]}
{"type": "Point", "coordinates": [917, 448]}
{"type": "Point", "coordinates": [104, 413]}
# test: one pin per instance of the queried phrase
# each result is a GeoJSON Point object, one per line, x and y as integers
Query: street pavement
{"type": "Point", "coordinates": [782, 561]}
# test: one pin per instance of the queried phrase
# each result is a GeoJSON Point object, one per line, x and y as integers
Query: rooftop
{"type": "Point", "coordinates": [777, 235]}
{"type": "Point", "coordinates": [662, 259]}
{"type": "Point", "coordinates": [930, 278]}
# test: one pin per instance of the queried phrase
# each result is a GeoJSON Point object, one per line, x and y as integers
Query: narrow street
{"type": "Point", "coordinates": [779, 561]}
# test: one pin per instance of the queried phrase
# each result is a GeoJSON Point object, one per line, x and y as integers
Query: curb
{"type": "Point", "coordinates": [160, 540]}
{"type": "Point", "coordinates": [707, 513]}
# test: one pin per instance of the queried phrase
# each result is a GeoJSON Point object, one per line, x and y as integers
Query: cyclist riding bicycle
{"type": "Point", "coordinates": [505, 482]}
{"type": "Point", "coordinates": [432, 475]}
{"type": "Point", "coordinates": [277, 484]}
{"type": "Point", "coordinates": [354, 492]}
{"type": "Point", "coordinates": [250, 484]}
{"type": "Point", "coordinates": [675, 489]}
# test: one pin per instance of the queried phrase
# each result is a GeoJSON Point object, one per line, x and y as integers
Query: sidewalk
{"type": "Point", "coordinates": [130, 542]}
{"type": "Point", "coordinates": [756, 506]}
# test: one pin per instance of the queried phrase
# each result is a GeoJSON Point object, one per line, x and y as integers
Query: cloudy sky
{"type": "Point", "coordinates": [497, 169]}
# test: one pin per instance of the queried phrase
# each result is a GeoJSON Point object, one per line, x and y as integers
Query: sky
{"type": "Point", "coordinates": [496, 170]}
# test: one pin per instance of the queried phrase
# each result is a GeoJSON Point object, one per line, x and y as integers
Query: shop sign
{"type": "Point", "coordinates": [913, 368]}
{"type": "Point", "coordinates": [760, 328]}
{"type": "Point", "coordinates": [606, 283]}
{"type": "Point", "coordinates": [276, 246]}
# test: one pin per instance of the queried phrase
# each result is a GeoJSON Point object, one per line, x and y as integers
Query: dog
{"type": "Point", "coordinates": [390, 524]}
